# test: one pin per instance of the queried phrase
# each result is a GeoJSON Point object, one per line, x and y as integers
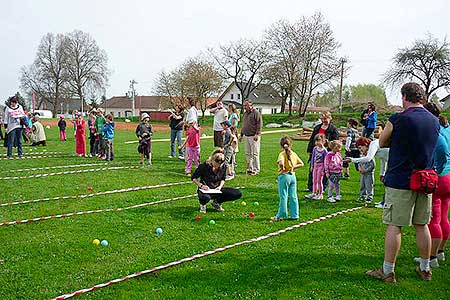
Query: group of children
{"type": "Point", "coordinates": [101, 134]}
{"type": "Point", "coordinates": [327, 166]}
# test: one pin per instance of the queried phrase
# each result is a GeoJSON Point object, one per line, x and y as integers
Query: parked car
{"type": "Point", "coordinates": [44, 114]}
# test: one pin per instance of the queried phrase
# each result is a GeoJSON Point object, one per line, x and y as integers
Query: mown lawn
{"type": "Point", "coordinates": [324, 260]}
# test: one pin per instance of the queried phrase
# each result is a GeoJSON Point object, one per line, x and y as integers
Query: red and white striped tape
{"type": "Point", "coordinates": [88, 212]}
{"type": "Point", "coordinates": [31, 157]}
{"type": "Point", "coordinates": [138, 188]}
{"type": "Point", "coordinates": [36, 153]}
{"type": "Point", "coordinates": [69, 172]}
{"type": "Point", "coordinates": [200, 255]}
{"type": "Point", "coordinates": [210, 136]}
{"type": "Point", "coordinates": [55, 167]}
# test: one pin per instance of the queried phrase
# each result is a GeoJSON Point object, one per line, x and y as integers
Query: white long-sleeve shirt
{"type": "Point", "coordinates": [12, 117]}
{"type": "Point", "coordinates": [375, 151]}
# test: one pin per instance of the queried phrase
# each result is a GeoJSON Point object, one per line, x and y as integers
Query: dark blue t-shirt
{"type": "Point", "coordinates": [413, 141]}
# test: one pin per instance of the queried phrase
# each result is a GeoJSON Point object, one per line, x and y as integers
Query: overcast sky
{"type": "Point", "coordinates": [143, 37]}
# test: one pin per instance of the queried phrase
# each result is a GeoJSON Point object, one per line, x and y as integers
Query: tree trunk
{"type": "Point", "coordinates": [290, 104]}
{"type": "Point", "coordinates": [283, 103]}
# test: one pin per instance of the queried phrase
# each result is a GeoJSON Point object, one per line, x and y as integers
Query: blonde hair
{"type": "Point", "coordinates": [217, 156]}
{"type": "Point", "coordinates": [335, 143]}
{"type": "Point", "coordinates": [286, 143]}
{"type": "Point", "coordinates": [326, 115]}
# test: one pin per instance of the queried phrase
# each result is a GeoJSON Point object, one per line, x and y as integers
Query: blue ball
{"type": "Point", "coordinates": [104, 243]}
{"type": "Point", "coordinates": [159, 231]}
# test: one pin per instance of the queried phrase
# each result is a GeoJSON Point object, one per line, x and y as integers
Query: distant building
{"type": "Point", "coordinates": [264, 98]}
{"type": "Point", "coordinates": [445, 102]}
{"type": "Point", "coordinates": [66, 105]}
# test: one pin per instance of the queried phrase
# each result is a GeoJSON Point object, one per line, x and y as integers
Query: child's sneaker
{"type": "Point", "coordinates": [229, 177]}
{"type": "Point", "coordinates": [337, 198]}
{"type": "Point", "coordinates": [181, 157]}
{"type": "Point", "coordinates": [345, 176]}
{"type": "Point", "coordinates": [317, 197]}
{"type": "Point", "coordinates": [441, 256]}
{"type": "Point", "coordinates": [310, 196]}
{"type": "Point", "coordinates": [276, 219]}
{"type": "Point", "coordinates": [203, 209]}
{"type": "Point", "coordinates": [361, 199]}
{"type": "Point", "coordinates": [379, 205]}
{"type": "Point", "coordinates": [368, 201]}
{"type": "Point", "coordinates": [217, 206]}
{"type": "Point", "coordinates": [331, 200]}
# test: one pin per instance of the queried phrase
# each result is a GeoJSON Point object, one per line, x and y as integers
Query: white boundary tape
{"type": "Point", "coordinates": [138, 188]}
{"type": "Point", "coordinates": [88, 212]}
{"type": "Point", "coordinates": [55, 167]}
{"type": "Point", "coordinates": [200, 255]}
{"type": "Point", "coordinates": [32, 157]}
{"type": "Point", "coordinates": [210, 136]}
{"type": "Point", "coordinates": [36, 153]}
{"type": "Point", "coordinates": [68, 172]}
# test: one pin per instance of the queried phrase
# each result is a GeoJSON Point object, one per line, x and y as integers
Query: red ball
{"type": "Point", "coordinates": [90, 188]}
{"type": "Point", "coordinates": [251, 214]}
{"type": "Point", "coordinates": [198, 218]}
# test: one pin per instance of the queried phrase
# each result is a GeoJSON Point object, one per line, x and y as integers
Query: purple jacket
{"type": "Point", "coordinates": [333, 163]}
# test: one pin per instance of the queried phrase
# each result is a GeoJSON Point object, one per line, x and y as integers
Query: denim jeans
{"type": "Point", "coordinates": [174, 133]}
{"type": "Point", "coordinates": [15, 136]}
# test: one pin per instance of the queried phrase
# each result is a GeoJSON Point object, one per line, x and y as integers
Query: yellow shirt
{"type": "Point", "coordinates": [288, 164]}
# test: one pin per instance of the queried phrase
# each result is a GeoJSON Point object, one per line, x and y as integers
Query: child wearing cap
{"type": "Point", "coordinates": [144, 132]}
{"type": "Point", "coordinates": [228, 149]}
{"type": "Point", "coordinates": [192, 144]}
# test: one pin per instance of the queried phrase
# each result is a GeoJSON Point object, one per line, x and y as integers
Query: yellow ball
{"type": "Point", "coordinates": [243, 203]}
{"type": "Point", "coordinates": [96, 242]}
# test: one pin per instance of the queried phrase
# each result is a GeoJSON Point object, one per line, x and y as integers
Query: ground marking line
{"type": "Point", "coordinates": [210, 136]}
{"type": "Point", "coordinates": [88, 212]}
{"type": "Point", "coordinates": [55, 167]}
{"type": "Point", "coordinates": [68, 172]}
{"type": "Point", "coordinates": [36, 153]}
{"type": "Point", "coordinates": [33, 157]}
{"type": "Point", "coordinates": [206, 253]}
{"type": "Point", "coordinates": [124, 190]}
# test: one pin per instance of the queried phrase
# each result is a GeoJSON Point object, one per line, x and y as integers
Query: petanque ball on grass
{"type": "Point", "coordinates": [96, 242]}
{"type": "Point", "coordinates": [256, 203]}
{"type": "Point", "coordinates": [212, 222]}
{"type": "Point", "coordinates": [243, 203]}
{"type": "Point", "coordinates": [104, 243]}
{"type": "Point", "coordinates": [198, 218]}
{"type": "Point", "coordinates": [204, 135]}
{"type": "Point", "coordinates": [251, 214]}
{"type": "Point", "coordinates": [159, 231]}
{"type": "Point", "coordinates": [89, 188]}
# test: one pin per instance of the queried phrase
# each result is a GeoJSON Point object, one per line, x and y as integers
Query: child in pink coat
{"type": "Point", "coordinates": [333, 170]}
{"type": "Point", "coordinates": [192, 145]}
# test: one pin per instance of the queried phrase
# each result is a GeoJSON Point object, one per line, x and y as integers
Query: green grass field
{"type": "Point", "coordinates": [325, 260]}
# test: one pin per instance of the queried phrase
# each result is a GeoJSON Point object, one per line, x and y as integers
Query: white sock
{"type": "Point", "coordinates": [388, 267]}
{"type": "Point", "coordinates": [424, 264]}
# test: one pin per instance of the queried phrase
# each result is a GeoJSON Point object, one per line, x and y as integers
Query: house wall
{"type": "Point", "coordinates": [232, 95]}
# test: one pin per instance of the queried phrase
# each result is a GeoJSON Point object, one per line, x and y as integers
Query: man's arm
{"type": "Point", "coordinates": [385, 136]}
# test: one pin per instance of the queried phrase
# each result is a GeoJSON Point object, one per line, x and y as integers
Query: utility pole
{"type": "Point", "coordinates": [343, 61]}
{"type": "Point", "coordinates": [133, 96]}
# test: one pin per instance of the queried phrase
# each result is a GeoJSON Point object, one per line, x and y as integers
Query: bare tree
{"type": "Point", "coordinates": [86, 65]}
{"type": "Point", "coordinates": [426, 61]}
{"type": "Point", "coordinates": [320, 65]}
{"type": "Point", "coordinates": [172, 86]}
{"type": "Point", "coordinates": [242, 61]}
{"type": "Point", "coordinates": [283, 68]}
{"type": "Point", "coordinates": [201, 79]}
{"type": "Point", "coordinates": [46, 77]}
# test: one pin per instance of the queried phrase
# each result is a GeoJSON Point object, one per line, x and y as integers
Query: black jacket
{"type": "Point", "coordinates": [331, 134]}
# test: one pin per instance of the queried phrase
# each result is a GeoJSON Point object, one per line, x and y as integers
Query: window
{"type": "Point", "coordinates": [239, 96]}
{"type": "Point", "coordinates": [232, 96]}
{"type": "Point", "coordinates": [274, 111]}
{"type": "Point", "coordinates": [118, 114]}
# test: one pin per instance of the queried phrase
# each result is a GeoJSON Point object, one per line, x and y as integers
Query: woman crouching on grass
{"type": "Point", "coordinates": [287, 161]}
{"type": "Point", "coordinates": [210, 177]}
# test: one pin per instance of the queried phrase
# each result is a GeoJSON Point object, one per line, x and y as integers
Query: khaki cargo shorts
{"type": "Point", "coordinates": [405, 207]}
